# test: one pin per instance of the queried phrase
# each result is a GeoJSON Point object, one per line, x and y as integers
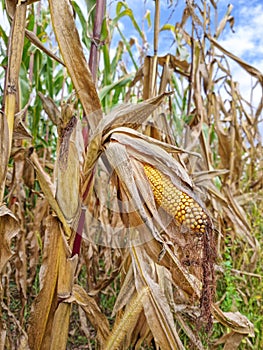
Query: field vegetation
{"type": "Point", "coordinates": [93, 255]}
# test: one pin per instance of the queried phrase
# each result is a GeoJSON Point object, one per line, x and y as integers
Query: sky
{"type": "Point", "coordinates": [246, 41]}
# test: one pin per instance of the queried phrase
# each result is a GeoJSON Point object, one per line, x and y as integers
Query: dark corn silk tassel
{"type": "Point", "coordinates": [178, 204]}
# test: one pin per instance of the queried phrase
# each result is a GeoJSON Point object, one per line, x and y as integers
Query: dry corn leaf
{"type": "Point", "coordinates": [10, 7]}
{"type": "Point", "coordinates": [174, 63]}
{"type": "Point", "coordinates": [50, 108]}
{"type": "Point", "coordinates": [231, 340]}
{"type": "Point", "coordinates": [237, 322]}
{"type": "Point", "coordinates": [207, 175]}
{"type": "Point", "coordinates": [72, 53]}
{"type": "Point", "coordinates": [41, 317]}
{"type": "Point", "coordinates": [250, 69]}
{"type": "Point", "coordinates": [124, 327]}
{"type": "Point", "coordinates": [128, 115]}
{"type": "Point", "coordinates": [238, 211]}
{"type": "Point", "coordinates": [223, 22]}
{"type": "Point", "coordinates": [84, 323]}
{"type": "Point", "coordinates": [181, 277]}
{"type": "Point", "coordinates": [165, 77]}
{"type": "Point", "coordinates": [9, 228]}
{"type": "Point", "coordinates": [92, 310]}
{"type": "Point", "coordinates": [35, 40]}
{"type": "Point", "coordinates": [156, 308]}
{"type": "Point", "coordinates": [191, 333]}
{"type": "Point", "coordinates": [60, 325]}
{"type": "Point", "coordinates": [126, 292]}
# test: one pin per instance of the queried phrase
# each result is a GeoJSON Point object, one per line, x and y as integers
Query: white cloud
{"type": "Point", "coordinates": [247, 43]}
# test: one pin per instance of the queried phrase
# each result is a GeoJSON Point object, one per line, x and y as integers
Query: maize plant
{"type": "Point", "coordinates": [110, 233]}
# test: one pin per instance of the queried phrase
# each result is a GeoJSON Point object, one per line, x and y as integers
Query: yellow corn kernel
{"type": "Point", "coordinates": [178, 204]}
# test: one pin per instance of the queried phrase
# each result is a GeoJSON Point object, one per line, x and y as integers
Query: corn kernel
{"type": "Point", "coordinates": [177, 203]}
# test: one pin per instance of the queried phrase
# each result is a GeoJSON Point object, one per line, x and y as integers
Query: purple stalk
{"type": "Point", "coordinates": [78, 238]}
{"type": "Point", "coordinates": [94, 52]}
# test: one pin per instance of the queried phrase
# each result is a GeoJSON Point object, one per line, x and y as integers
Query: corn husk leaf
{"type": "Point", "coordinates": [50, 108]}
{"type": "Point", "coordinates": [128, 115]}
{"type": "Point", "coordinates": [67, 175]}
{"type": "Point", "coordinates": [49, 190]}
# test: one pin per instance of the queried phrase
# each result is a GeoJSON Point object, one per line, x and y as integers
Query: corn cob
{"type": "Point", "coordinates": [178, 204]}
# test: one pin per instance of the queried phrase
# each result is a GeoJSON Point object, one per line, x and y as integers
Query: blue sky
{"type": "Point", "coordinates": [245, 42]}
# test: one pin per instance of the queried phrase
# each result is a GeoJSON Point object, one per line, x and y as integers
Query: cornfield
{"type": "Point", "coordinates": [130, 183]}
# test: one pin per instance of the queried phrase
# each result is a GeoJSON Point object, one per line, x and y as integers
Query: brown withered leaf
{"type": "Point", "coordinates": [237, 322]}
{"type": "Point", "coordinates": [20, 130]}
{"type": "Point", "coordinates": [126, 292]}
{"type": "Point", "coordinates": [223, 22]}
{"type": "Point", "coordinates": [250, 69]}
{"type": "Point", "coordinates": [60, 325]}
{"type": "Point", "coordinates": [123, 328]}
{"type": "Point", "coordinates": [42, 314]}
{"type": "Point", "coordinates": [71, 50]}
{"type": "Point", "coordinates": [50, 108]}
{"type": "Point", "coordinates": [174, 63]}
{"type": "Point", "coordinates": [92, 310]}
{"type": "Point", "coordinates": [128, 115]}
{"type": "Point", "coordinates": [84, 323]}
{"type": "Point", "coordinates": [9, 228]}
{"type": "Point", "coordinates": [231, 340]}
{"type": "Point", "coordinates": [35, 40]}
{"type": "Point", "coordinates": [155, 305]}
